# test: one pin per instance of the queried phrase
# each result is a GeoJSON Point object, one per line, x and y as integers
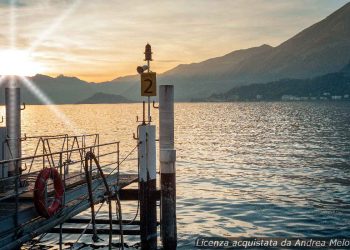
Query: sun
{"type": "Point", "coordinates": [19, 63]}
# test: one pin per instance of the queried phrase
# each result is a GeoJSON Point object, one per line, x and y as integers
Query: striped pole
{"type": "Point", "coordinates": [167, 167]}
{"type": "Point", "coordinates": [147, 182]}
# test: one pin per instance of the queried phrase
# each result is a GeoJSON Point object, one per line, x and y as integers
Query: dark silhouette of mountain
{"type": "Point", "coordinates": [58, 90]}
{"type": "Point", "coordinates": [317, 88]}
{"type": "Point", "coordinates": [322, 48]}
{"type": "Point", "coordinates": [319, 49]}
{"type": "Point", "coordinates": [62, 89]}
{"type": "Point", "coordinates": [104, 98]}
{"type": "Point", "coordinates": [127, 86]}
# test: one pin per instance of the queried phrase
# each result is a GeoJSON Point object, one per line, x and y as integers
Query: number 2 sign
{"type": "Point", "coordinates": [148, 84]}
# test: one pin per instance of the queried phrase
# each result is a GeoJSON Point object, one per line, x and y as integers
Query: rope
{"type": "Point", "coordinates": [138, 201]}
{"type": "Point", "coordinates": [91, 199]}
{"type": "Point", "coordinates": [40, 238]}
{"type": "Point", "coordinates": [119, 215]}
{"type": "Point", "coordinates": [98, 185]}
{"type": "Point", "coordinates": [83, 232]}
{"type": "Point", "coordinates": [125, 158]}
{"type": "Point", "coordinates": [88, 158]}
{"type": "Point", "coordinates": [76, 205]}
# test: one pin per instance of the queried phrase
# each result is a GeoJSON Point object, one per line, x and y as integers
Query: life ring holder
{"type": "Point", "coordinates": [40, 196]}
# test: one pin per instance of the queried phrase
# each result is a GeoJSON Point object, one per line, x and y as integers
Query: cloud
{"type": "Point", "coordinates": [111, 34]}
{"type": "Point", "coordinates": [17, 3]}
{"type": "Point", "coordinates": [169, 61]}
{"type": "Point", "coordinates": [25, 3]}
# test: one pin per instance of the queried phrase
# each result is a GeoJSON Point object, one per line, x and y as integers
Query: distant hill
{"type": "Point", "coordinates": [104, 98]}
{"type": "Point", "coordinates": [59, 90]}
{"type": "Point", "coordinates": [321, 87]}
{"type": "Point", "coordinates": [320, 49]}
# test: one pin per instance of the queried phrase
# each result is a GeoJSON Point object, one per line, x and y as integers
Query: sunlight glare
{"type": "Point", "coordinates": [47, 101]}
{"type": "Point", "coordinates": [13, 25]}
{"type": "Point", "coordinates": [2, 79]}
{"type": "Point", "coordinates": [54, 26]}
{"type": "Point", "coordinates": [18, 62]}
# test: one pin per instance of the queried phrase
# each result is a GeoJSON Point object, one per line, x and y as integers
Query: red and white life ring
{"type": "Point", "coordinates": [39, 192]}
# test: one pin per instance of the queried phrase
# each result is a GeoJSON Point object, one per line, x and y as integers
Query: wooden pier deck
{"type": "Point", "coordinates": [24, 225]}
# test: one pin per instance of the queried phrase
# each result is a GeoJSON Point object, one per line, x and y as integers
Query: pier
{"type": "Point", "coordinates": [44, 190]}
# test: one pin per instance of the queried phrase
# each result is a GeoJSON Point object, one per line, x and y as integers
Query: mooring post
{"type": "Point", "coordinates": [167, 167]}
{"type": "Point", "coordinates": [13, 125]}
{"type": "Point", "coordinates": [147, 181]}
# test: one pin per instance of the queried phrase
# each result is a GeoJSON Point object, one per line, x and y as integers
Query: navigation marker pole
{"type": "Point", "coordinates": [148, 58]}
{"type": "Point", "coordinates": [147, 160]}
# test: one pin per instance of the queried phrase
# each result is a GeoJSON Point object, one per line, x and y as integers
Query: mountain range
{"type": "Point", "coordinates": [320, 49]}
{"type": "Point", "coordinates": [331, 86]}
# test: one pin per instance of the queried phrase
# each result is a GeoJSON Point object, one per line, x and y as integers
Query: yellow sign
{"type": "Point", "coordinates": [148, 84]}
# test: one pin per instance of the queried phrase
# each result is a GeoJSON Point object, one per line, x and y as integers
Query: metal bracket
{"type": "Point", "coordinates": [23, 106]}
{"type": "Point", "coordinates": [25, 167]}
{"type": "Point", "coordinates": [144, 122]}
{"type": "Point", "coordinates": [137, 119]}
{"type": "Point", "coordinates": [24, 137]}
{"type": "Point", "coordinates": [154, 105]}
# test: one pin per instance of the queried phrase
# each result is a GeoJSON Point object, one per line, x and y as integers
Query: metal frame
{"type": "Point", "coordinates": [21, 222]}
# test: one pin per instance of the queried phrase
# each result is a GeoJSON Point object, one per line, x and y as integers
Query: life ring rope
{"type": "Point", "coordinates": [40, 190]}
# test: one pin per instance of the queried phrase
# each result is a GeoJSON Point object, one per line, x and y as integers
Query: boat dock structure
{"type": "Point", "coordinates": [44, 192]}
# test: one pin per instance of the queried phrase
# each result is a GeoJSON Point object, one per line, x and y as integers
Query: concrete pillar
{"type": "Point", "coordinates": [147, 181]}
{"type": "Point", "coordinates": [167, 167]}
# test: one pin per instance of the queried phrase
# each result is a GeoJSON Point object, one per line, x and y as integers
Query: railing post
{"type": "Point", "coordinates": [63, 201]}
{"type": "Point", "coordinates": [147, 184]}
{"type": "Point", "coordinates": [167, 167]}
{"type": "Point", "coordinates": [17, 182]}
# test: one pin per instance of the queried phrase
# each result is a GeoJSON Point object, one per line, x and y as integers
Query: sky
{"type": "Point", "coordinates": [102, 40]}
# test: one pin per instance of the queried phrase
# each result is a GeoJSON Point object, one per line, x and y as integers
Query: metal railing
{"type": "Point", "coordinates": [68, 161]}
{"type": "Point", "coordinates": [65, 142]}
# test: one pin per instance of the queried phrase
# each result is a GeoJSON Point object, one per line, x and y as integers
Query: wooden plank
{"type": "Point", "coordinates": [90, 231]}
{"type": "Point", "coordinates": [102, 221]}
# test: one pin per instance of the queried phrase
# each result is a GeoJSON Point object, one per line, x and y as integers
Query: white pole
{"type": "Point", "coordinates": [167, 167]}
{"type": "Point", "coordinates": [13, 125]}
{"type": "Point", "coordinates": [147, 181]}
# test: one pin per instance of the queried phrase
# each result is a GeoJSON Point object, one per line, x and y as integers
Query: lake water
{"type": "Point", "coordinates": [243, 169]}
